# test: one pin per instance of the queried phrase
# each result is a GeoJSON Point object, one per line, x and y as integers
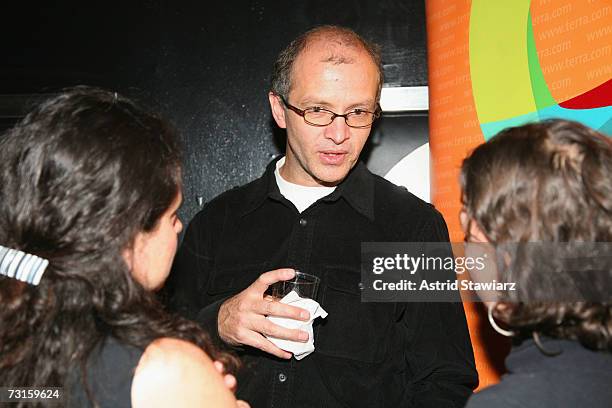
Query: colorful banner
{"type": "Point", "coordinates": [494, 64]}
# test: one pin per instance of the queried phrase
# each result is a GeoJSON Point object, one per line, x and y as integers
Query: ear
{"type": "Point", "coordinates": [128, 257]}
{"type": "Point", "coordinates": [278, 110]}
{"type": "Point", "coordinates": [477, 232]}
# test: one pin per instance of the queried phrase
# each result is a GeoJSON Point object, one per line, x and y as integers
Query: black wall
{"type": "Point", "coordinates": [205, 64]}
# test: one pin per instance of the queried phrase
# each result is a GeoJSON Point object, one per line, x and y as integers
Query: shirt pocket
{"type": "Point", "coordinates": [353, 329]}
{"type": "Point", "coordinates": [231, 279]}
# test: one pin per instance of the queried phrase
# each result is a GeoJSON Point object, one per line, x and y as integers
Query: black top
{"type": "Point", "coordinates": [110, 371]}
{"type": "Point", "coordinates": [577, 377]}
{"type": "Point", "coordinates": [367, 354]}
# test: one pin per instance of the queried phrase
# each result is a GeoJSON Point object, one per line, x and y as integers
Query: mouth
{"type": "Point", "coordinates": [332, 157]}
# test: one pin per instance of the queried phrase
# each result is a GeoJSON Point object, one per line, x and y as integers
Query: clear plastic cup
{"type": "Point", "coordinates": [304, 284]}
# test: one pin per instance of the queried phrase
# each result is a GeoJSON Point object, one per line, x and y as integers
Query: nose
{"type": "Point", "coordinates": [338, 131]}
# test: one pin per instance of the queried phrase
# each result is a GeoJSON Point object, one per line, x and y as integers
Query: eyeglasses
{"type": "Point", "coordinates": [358, 118]}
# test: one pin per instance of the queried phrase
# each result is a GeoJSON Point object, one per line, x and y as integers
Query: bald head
{"type": "Point", "coordinates": [341, 44]}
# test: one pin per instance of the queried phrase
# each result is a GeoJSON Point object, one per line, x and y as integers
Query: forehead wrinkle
{"type": "Point", "coordinates": [338, 59]}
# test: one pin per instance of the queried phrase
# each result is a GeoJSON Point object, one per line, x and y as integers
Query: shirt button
{"type": "Point", "coordinates": [282, 377]}
{"type": "Point", "coordinates": [303, 222]}
{"type": "Point", "coordinates": [360, 286]}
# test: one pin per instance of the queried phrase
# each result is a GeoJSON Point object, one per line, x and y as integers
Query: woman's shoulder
{"type": "Point", "coordinates": [176, 372]}
{"type": "Point", "coordinates": [171, 351]}
{"type": "Point", "coordinates": [107, 376]}
{"type": "Point", "coordinates": [575, 377]}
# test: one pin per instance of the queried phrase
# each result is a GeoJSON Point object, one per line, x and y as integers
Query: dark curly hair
{"type": "Point", "coordinates": [547, 182]}
{"type": "Point", "coordinates": [80, 177]}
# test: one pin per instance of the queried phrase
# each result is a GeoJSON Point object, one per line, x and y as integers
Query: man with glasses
{"type": "Point", "coordinates": [311, 211]}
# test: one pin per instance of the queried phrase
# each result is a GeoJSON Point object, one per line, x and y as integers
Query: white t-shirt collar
{"type": "Point", "coordinates": [302, 197]}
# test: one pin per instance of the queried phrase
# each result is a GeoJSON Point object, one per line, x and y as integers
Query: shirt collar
{"type": "Point", "coordinates": [357, 189]}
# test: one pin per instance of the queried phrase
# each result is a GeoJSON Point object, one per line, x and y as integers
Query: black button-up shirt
{"type": "Point", "coordinates": [367, 354]}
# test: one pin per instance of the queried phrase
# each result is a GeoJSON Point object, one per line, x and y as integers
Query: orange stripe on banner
{"type": "Point", "coordinates": [454, 132]}
{"type": "Point", "coordinates": [574, 43]}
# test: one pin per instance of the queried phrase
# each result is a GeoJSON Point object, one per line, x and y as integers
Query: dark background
{"type": "Point", "coordinates": [205, 65]}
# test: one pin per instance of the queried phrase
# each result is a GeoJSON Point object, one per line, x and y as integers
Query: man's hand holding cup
{"type": "Point", "coordinates": [242, 318]}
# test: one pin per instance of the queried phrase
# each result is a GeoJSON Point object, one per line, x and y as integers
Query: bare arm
{"type": "Point", "coordinates": [174, 372]}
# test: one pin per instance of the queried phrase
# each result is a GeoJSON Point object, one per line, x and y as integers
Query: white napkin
{"type": "Point", "coordinates": [299, 350]}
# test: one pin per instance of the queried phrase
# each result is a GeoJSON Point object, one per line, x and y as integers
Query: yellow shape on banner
{"type": "Point", "coordinates": [499, 65]}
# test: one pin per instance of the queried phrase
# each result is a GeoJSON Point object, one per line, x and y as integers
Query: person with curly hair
{"type": "Point", "coordinates": [542, 195]}
{"type": "Point", "coordinates": [89, 188]}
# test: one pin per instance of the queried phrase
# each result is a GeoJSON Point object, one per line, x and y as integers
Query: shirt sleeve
{"type": "Point", "coordinates": [190, 274]}
{"type": "Point", "coordinates": [439, 352]}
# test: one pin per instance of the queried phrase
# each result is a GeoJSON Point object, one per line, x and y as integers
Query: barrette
{"type": "Point", "coordinates": [21, 265]}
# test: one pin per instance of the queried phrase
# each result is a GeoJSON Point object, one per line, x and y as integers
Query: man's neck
{"type": "Point", "coordinates": [301, 196]}
{"type": "Point", "coordinates": [304, 179]}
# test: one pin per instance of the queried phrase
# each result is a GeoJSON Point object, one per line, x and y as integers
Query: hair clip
{"type": "Point", "coordinates": [21, 265]}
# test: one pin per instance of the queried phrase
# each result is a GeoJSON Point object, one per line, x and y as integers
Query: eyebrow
{"type": "Point", "coordinates": [310, 102]}
{"type": "Point", "coordinates": [369, 103]}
